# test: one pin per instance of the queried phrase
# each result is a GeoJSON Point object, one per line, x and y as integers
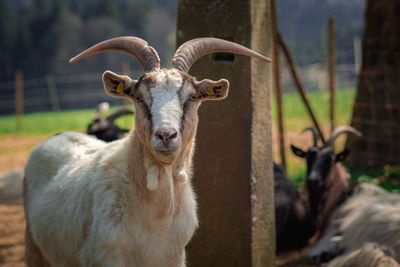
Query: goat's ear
{"type": "Point", "coordinates": [342, 155]}
{"type": "Point", "coordinates": [297, 151]}
{"type": "Point", "coordinates": [117, 85]}
{"type": "Point", "coordinates": [212, 90]}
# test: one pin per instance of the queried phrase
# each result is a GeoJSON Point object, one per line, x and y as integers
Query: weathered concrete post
{"type": "Point", "coordinates": [233, 162]}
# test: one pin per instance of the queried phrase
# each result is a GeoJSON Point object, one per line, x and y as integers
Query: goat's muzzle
{"type": "Point", "coordinates": [314, 179]}
{"type": "Point", "coordinates": [166, 142]}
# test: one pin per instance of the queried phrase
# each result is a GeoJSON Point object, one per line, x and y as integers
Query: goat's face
{"type": "Point", "coordinates": [166, 103]}
{"type": "Point", "coordinates": [320, 161]}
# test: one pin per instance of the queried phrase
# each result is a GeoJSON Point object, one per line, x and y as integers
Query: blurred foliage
{"type": "Point", "coordinates": [387, 177]}
{"type": "Point", "coordinates": [39, 36]}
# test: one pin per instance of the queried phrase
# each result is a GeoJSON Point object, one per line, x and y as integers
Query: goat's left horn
{"type": "Point", "coordinates": [314, 132]}
{"type": "Point", "coordinates": [188, 53]}
{"type": "Point", "coordinates": [340, 130]}
{"type": "Point", "coordinates": [136, 47]}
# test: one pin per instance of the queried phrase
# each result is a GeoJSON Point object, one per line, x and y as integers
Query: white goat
{"type": "Point", "coordinates": [129, 202]}
{"type": "Point", "coordinates": [369, 215]}
{"type": "Point", "coordinates": [369, 255]}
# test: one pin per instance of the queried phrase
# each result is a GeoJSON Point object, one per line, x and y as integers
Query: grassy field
{"type": "Point", "coordinates": [49, 123]}
{"type": "Point", "coordinates": [296, 118]}
{"type": "Point", "coordinates": [41, 125]}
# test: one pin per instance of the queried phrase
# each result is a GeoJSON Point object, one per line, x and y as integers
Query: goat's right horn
{"type": "Point", "coordinates": [188, 53]}
{"type": "Point", "coordinates": [136, 47]}
{"type": "Point", "coordinates": [314, 132]}
{"type": "Point", "coordinates": [340, 130]}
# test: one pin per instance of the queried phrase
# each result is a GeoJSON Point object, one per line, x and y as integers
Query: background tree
{"type": "Point", "coordinates": [39, 36]}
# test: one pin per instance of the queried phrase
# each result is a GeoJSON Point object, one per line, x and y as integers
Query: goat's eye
{"type": "Point", "coordinates": [193, 97]}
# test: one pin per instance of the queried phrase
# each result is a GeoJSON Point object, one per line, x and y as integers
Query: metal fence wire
{"type": "Point", "coordinates": [55, 93]}
{"type": "Point", "coordinates": [81, 91]}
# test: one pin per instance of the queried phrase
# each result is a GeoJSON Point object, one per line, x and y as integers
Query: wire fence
{"type": "Point", "coordinates": [55, 93]}
{"type": "Point", "coordinates": [85, 91]}
{"type": "Point", "coordinates": [81, 91]}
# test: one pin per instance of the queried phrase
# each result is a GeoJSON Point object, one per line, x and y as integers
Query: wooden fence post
{"type": "Point", "coordinates": [331, 70]}
{"type": "Point", "coordinates": [53, 93]}
{"type": "Point", "coordinates": [19, 99]}
{"type": "Point", "coordinates": [277, 80]}
{"type": "Point", "coordinates": [299, 85]}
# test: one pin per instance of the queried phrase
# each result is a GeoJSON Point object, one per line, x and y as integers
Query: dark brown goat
{"type": "Point", "coordinates": [327, 181]}
{"type": "Point", "coordinates": [294, 225]}
{"type": "Point", "coordinates": [105, 128]}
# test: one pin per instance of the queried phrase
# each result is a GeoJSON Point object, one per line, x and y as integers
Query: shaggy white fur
{"type": "Point", "coordinates": [370, 215]}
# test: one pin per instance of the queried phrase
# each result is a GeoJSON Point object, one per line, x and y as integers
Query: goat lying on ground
{"type": "Point", "coordinates": [369, 255]}
{"type": "Point", "coordinates": [293, 222]}
{"type": "Point", "coordinates": [129, 202]}
{"type": "Point", "coordinates": [104, 128]}
{"type": "Point", "coordinates": [346, 216]}
{"type": "Point", "coordinates": [369, 215]}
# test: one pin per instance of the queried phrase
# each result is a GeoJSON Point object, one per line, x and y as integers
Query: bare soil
{"type": "Point", "coordinates": [12, 229]}
{"type": "Point", "coordinates": [14, 151]}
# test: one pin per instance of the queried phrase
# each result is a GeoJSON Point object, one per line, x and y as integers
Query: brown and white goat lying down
{"type": "Point", "coordinates": [129, 202]}
{"type": "Point", "coordinates": [346, 216]}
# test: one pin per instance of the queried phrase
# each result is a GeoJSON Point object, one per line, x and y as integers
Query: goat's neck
{"type": "Point", "coordinates": [336, 185]}
{"type": "Point", "coordinates": [154, 180]}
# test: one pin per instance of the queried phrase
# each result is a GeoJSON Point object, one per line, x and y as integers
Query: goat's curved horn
{"type": "Point", "coordinates": [188, 53]}
{"type": "Point", "coordinates": [136, 47]}
{"type": "Point", "coordinates": [314, 132]}
{"type": "Point", "coordinates": [340, 130]}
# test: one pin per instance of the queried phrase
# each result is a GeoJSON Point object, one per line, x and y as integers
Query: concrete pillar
{"type": "Point", "coordinates": [233, 160]}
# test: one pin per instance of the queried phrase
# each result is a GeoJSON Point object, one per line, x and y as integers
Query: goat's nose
{"type": "Point", "coordinates": [166, 134]}
{"type": "Point", "coordinates": [314, 177]}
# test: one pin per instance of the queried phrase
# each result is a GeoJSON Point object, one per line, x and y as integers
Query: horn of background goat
{"type": "Point", "coordinates": [314, 132]}
{"type": "Point", "coordinates": [340, 130]}
{"type": "Point", "coordinates": [188, 53]}
{"type": "Point", "coordinates": [136, 47]}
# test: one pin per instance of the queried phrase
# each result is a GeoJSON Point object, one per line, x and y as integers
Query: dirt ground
{"type": "Point", "coordinates": [14, 152]}
{"type": "Point", "coordinates": [12, 228]}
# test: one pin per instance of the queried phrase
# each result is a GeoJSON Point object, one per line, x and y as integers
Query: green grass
{"type": "Point", "coordinates": [49, 123]}
{"type": "Point", "coordinates": [296, 116]}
